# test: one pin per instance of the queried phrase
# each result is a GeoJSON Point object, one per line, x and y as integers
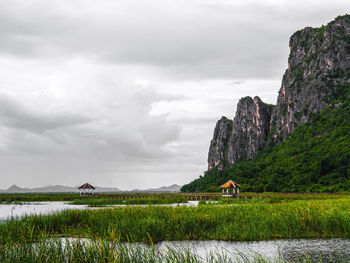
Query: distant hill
{"type": "Point", "coordinates": [163, 189]}
{"type": "Point", "coordinates": [301, 144]}
{"type": "Point", "coordinates": [71, 189]}
{"type": "Point", "coordinates": [54, 189]}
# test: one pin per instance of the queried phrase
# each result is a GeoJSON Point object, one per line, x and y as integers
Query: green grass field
{"type": "Point", "coordinates": [252, 217]}
{"type": "Point", "coordinates": [261, 219]}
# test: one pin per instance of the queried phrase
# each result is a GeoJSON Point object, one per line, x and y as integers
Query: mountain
{"type": "Point", "coordinates": [54, 189]}
{"type": "Point", "coordinates": [243, 137]}
{"type": "Point", "coordinates": [14, 189]}
{"type": "Point", "coordinates": [302, 143]}
{"type": "Point", "coordinates": [318, 70]}
{"type": "Point", "coordinates": [163, 189]}
{"type": "Point", "coordinates": [70, 189]}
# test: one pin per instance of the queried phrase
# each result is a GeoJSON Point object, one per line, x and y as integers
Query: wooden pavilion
{"type": "Point", "coordinates": [235, 189]}
{"type": "Point", "coordinates": [86, 189]}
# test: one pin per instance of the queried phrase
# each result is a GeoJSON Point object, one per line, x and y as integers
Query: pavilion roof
{"type": "Point", "coordinates": [86, 186]}
{"type": "Point", "coordinates": [230, 184]}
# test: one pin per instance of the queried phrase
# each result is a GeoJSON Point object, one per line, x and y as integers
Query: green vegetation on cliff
{"type": "Point", "coordinates": [315, 158]}
{"type": "Point", "coordinates": [304, 144]}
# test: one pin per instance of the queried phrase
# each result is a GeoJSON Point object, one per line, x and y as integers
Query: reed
{"type": "Point", "coordinates": [37, 197]}
{"type": "Point", "coordinates": [251, 221]}
{"type": "Point", "coordinates": [95, 200]}
{"type": "Point", "coordinates": [57, 250]}
{"type": "Point", "coordinates": [98, 202]}
{"type": "Point", "coordinates": [156, 198]}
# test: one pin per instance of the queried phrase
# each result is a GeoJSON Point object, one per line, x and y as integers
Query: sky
{"type": "Point", "coordinates": [127, 93]}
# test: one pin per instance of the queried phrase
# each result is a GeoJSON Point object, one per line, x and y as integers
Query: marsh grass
{"type": "Point", "coordinates": [98, 202]}
{"type": "Point", "coordinates": [252, 221]}
{"type": "Point", "coordinates": [37, 197]}
{"type": "Point", "coordinates": [112, 231]}
{"type": "Point", "coordinates": [93, 201]}
{"type": "Point", "coordinates": [280, 197]}
{"type": "Point", "coordinates": [58, 250]}
{"type": "Point", "coordinates": [110, 199]}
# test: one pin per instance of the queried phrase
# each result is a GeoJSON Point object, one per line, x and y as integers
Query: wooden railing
{"type": "Point", "coordinates": [189, 196]}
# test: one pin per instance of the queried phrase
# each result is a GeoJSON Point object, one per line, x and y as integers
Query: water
{"type": "Point", "coordinates": [293, 250]}
{"type": "Point", "coordinates": [34, 208]}
{"type": "Point", "coordinates": [189, 203]}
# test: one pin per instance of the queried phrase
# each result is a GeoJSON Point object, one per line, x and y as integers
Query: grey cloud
{"type": "Point", "coordinates": [126, 132]}
{"type": "Point", "coordinates": [14, 115]}
{"type": "Point", "coordinates": [192, 40]}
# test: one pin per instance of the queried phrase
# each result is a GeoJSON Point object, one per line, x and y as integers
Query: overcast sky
{"type": "Point", "coordinates": [127, 93]}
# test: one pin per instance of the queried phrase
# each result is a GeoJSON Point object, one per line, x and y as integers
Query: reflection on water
{"type": "Point", "coordinates": [293, 250]}
{"type": "Point", "coordinates": [327, 250]}
{"type": "Point", "coordinates": [189, 203]}
{"type": "Point", "coordinates": [34, 208]}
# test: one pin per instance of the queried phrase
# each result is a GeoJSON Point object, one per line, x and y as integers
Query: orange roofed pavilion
{"type": "Point", "coordinates": [235, 189]}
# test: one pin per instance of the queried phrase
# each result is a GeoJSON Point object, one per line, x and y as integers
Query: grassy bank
{"type": "Point", "coordinates": [279, 198]}
{"type": "Point", "coordinates": [159, 198]}
{"type": "Point", "coordinates": [250, 221]}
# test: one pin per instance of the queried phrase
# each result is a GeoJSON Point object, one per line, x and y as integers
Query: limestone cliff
{"type": "Point", "coordinates": [318, 66]}
{"type": "Point", "coordinates": [243, 137]}
{"type": "Point", "coordinates": [217, 156]}
{"type": "Point", "coordinates": [318, 70]}
{"type": "Point", "coordinates": [250, 129]}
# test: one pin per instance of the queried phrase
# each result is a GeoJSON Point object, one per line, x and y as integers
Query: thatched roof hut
{"type": "Point", "coordinates": [230, 184]}
{"type": "Point", "coordinates": [235, 189]}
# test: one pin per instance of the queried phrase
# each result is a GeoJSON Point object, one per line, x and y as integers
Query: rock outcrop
{"type": "Point", "coordinates": [318, 70]}
{"type": "Point", "coordinates": [243, 137]}
{"type": "Point", "coordinates": [217, 156]}
{"type": "Point", "coordinates": [251, 127]}
{"type": "Point", "coordinates": [318, 66]}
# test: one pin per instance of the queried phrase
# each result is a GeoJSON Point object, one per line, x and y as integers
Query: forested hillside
{"type": "Point", "coordinates": [303, 143]}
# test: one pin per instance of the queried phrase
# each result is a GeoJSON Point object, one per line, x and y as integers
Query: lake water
{"type": "Point", "coordinates": [189, 203]}
{"type": "Point", "coordinates": [36, 208]}
{"type": "Point", "coordinates": [293, 250]}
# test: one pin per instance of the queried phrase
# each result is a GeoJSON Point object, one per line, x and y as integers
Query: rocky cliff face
{"type": "Point", "coordinates": [318, 66]}
{"type": "Point", "coordinates": [217, 156]}
{"type": "Point", "coordinates": [243, 137]}
{"type": "Point", "coordinates": [318, 70]}
{"type": "Point", "coordinates": [251, 127]}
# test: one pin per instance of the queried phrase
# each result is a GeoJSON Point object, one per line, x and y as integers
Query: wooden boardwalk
{"type": "Point", "coordinates": [189, 196]}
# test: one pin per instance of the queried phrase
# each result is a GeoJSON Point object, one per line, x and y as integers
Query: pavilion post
{"type": "Point", "coordinates": [235, 189]}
